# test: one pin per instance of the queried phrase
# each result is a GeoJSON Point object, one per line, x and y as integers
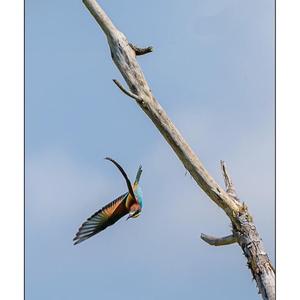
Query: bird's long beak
{"type": "Point", "coordinates": [134, 215]}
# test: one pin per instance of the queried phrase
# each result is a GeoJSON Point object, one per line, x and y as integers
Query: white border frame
{"type": "Point", "coordinates": [11, 150]}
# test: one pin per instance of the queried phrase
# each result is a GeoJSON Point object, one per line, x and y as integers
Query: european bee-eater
{"type": "Point", "coordinates": [129, 203]}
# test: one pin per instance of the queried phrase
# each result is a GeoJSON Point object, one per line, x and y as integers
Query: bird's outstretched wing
{"type": "Point", "coordinates": [103, 218]}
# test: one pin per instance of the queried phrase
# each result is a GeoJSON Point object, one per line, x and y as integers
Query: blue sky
{"type": "Point", "coordinates": [213, 72]}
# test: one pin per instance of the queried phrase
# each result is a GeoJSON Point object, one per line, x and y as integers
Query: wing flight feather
{"type": "Point", "coordinates": [106, 216]}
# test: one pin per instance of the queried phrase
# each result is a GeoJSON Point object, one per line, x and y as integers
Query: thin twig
{"type": "Point", "coordinates": [230, 189]}
{"type": "Point", "coordinates": [128, 93]}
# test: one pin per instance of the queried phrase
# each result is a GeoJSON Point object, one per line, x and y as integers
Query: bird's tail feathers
{"type": "Point", "coordinates": [124, 175]}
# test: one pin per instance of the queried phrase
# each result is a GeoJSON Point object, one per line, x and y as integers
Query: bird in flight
{"type": "Point", "coordinates": [129, 203]}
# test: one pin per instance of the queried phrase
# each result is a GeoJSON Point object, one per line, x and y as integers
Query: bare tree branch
{"type": "Point", "coordinates": [230, 239]}
{"type": "Point", "coordinates": [124, 57]}
{"type": "Point", "coordinates": [141, 51]}
{"type": "Point", "coordinates": [228, 182]}
{"type": "Point", "coordinates": [214, 241]}
{"type": "Point", "coordinates": [128, 93]}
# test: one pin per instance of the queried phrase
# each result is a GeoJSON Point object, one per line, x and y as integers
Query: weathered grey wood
{"type": "Point", "coordinates": [248, 239]}
{"type": "Point", "coordinates": [230, 189]}
{"type": "Point", "coordinates": [214, 241]}
{"type": "Point", "coordinates": [124, 57]}
{"type": "Point", "coordinates": [257, 258]}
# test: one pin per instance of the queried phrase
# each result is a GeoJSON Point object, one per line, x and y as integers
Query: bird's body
{"type": "Point", "coordinates": [129, 203]}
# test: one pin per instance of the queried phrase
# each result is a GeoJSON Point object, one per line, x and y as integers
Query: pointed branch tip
{"type": "Point", "coordinates": [126, 92]}
{"type": "Point", "coordinates": [214, 241]}
{"type": "Point", "coordinates": [230, 189]}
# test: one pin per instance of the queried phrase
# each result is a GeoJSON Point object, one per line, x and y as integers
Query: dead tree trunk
{"type": "Point", "coordinates": [244, 231]}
